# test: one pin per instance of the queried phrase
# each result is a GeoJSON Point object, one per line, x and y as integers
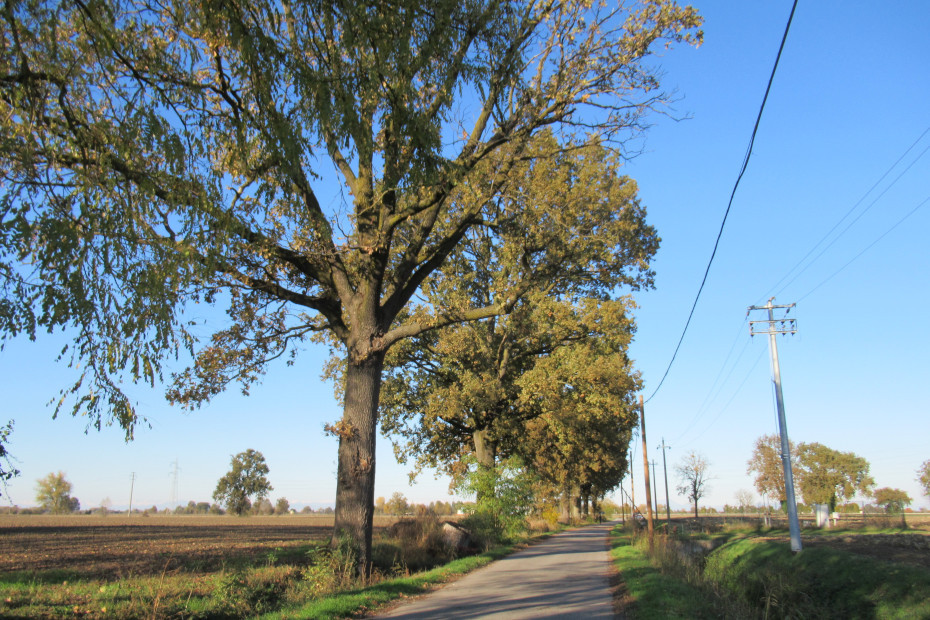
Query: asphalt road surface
{"type": "Point", "coordinates": [565, 576]}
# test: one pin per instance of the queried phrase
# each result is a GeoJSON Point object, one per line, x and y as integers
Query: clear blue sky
{"type": "Point", "coordinates": [851, 95]}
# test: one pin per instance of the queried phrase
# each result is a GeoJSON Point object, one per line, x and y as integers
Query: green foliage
{"type": "Point", "coordinates": [245, 479]}
{"type": "Point", "coordinates": [7, 471]}
{"type": "Point", "coordinates": [246, 593]}
{"type": "Point", "coordinates": [412, 545]}
{"type": "Point", "coordinates": [53, 493]}
{"type": "Point", "coordinates": [160, 155]}
{"type": "Point", "coordinates": [826, 476]}
{"type": "Point", "coordinates": [923, 477]}
{"type": "Point", "coordinates": [282, 506]}
{"type": "Point", "coordinates": [504, 498]}
{"type": "Point", "coordinates": [893, 500]}
{"type": "Point", "coordinates": [474, 387]}
{"type": "Point", "coordinates": [818, 583]}
{"type": "Point", "coordinates": [397, 505]}
{"type": "Point", "coordinates": [651, 594]}
{"type": "Point", "coordinates": [348, 603]}
{"type": "Point", "coordinates": [767, 465]}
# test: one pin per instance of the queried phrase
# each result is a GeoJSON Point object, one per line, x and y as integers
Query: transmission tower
{"type": "Point", "coordinates": [175, 475]}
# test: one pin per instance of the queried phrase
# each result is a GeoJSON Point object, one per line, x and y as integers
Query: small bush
{"type": "Point", "coordinates": [412, 545]}
{"type": "Point", "coordinates": [242, 593]}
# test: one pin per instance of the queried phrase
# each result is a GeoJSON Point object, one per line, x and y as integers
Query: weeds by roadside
{"type": "Point", "coordinates": [737, 572]}
{"type": "Point", "coordinates": [286, 576]}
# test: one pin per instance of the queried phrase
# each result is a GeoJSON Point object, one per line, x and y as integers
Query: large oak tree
{"type": "Point", "coordinates": [826, 476]}
{"type": "Point", "coordinates": [471, 388]}
{"type": "Point", "coordinates": [767, 465]}
{"type": "Point", "coordinates": [156, 155]}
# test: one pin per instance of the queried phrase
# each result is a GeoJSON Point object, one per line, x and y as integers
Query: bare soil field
{"type": "Point", "coordinates": [913, 549]}
{"type": "Point", "coordinates": [117, 546]}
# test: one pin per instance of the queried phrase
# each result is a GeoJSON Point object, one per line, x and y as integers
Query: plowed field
{"type": "Point", "coordinates": [119, 546]}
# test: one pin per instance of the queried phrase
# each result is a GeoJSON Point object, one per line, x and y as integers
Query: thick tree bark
{"type": "Point", "coordinates": [486, 455]}
{"type": "Point", "coordinates": [355, 484]}
{"type": "Point", "coordinates": [565, 506]}
{"type": "Point", "coordinates": [485, 448]}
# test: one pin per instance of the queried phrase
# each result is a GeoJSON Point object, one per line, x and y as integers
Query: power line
{"type": "Point", "coordinates": [850, 212]}
{"type": "Point", "coordinates": [712, 396]}
{"type": "Point", "coordinates": [739, 388]}
{"type": "Point", "coordinates": [867, 248]}
{"type": "Point", "coordinates": [850, 225]}
{"type": "Point", "coordinates": [739, 177]}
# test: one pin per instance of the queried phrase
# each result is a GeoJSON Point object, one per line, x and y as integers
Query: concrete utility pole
{"type": "Point", "coordinates": [668, 510]}
{"type": "Point", "coordinates": [771, 326]}
{"type": "Point", "coordinates": [642, 420]}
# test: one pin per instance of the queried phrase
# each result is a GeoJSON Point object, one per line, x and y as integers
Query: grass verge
{"type": "Point", "coordinates": [818, 582]}
{"type": "Point", "coordinates": [649, 593]}
{"type": "Point", "coordinates": [353, 602]}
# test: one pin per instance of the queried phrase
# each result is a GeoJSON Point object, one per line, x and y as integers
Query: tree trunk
{"type": "Point", "coordinates": [485, 448]}
{"type": "Point", "coordinates": [695, 509]}
{"type": "Point", "coordinates": [565, 506]}
{"type": "Point", "coordinates": [355, 483]}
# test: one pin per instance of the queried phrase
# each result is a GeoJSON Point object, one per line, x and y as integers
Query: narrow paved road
{"type": "Point", "coordinates": [566, 576]}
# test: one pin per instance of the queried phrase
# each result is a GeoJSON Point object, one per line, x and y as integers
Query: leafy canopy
{"type": "Point", "coordinates": [7, 471]}
{"type": "Point", "coordinates": [578, 222]}
{"type": "Point", "coordinates": [892, 500]}
{"type": "Point", "coordinates": [923, 477]}
{"type": "Point", "coordinates": [245, 480]}
{"type": "Point", "coordinates": [157, 156]}
{"type": "Point", "coordinates": [53, 493]}
{"type": "Point", "coordinates": [767, 465]}
{"type": "Point", "coordinates": [826, 476]}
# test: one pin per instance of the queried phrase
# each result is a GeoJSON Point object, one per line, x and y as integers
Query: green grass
{"type": "Point", "coordinates": [649, 592]}
{"type": "Point", "coordinates": [818, 582]}
{"type": "Point", "coordinates": [284, 581]}
{"type": "Point", "coordinates": [352, 602]}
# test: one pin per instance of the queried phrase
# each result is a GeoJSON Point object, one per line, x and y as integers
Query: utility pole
{"type": "Point", "coordinates": [771, 326]}
{"type": "Point", "coordinates": [632, 489]}
{"type": "Point", "coordinates": [622, 509]}
{"type": "Point", "coordinates": [668, 510]}
{"type": "Point", "coordinates": [132, 486]}
{"type": "Point", "coordinates": [655, 496]}
{"type": "Point", "coordinates": [642, 421]}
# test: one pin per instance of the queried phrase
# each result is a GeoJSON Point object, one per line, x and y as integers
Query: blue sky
{"type": "Point", "coordinates": [850, 97]}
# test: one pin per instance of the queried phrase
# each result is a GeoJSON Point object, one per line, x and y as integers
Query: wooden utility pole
{"type": "Point", "coordinates": [632, 488]}
{"type": "Point", "coordinates": [642, 422]}
{"type": "Point", "coordinates": [655, 496]}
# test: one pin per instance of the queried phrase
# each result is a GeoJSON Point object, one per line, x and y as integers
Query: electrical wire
{"type": "Point", "coordinates": [739, 177]}
{"type": "Point", "coordinates": [867, 248]}
{"type": "Point", "coordinates": [705, 428]}
{"type": "Point", "coordinates": [850, 225]}
{"type": "Point", "coordinates": [710, 392]}
{"type": "Point", "coordinates": [847, 214]}
{"type": "Point", "coordinates": [706, 404]}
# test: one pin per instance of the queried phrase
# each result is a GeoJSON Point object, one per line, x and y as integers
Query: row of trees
{"type": "Point", "coordinates": [155, 156]}
{"type": "Point", "coordinates": [823, 475]}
